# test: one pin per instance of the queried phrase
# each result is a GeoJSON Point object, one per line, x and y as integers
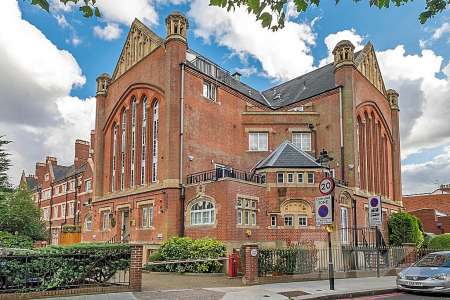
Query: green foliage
{"type": "Point", "coordinates": [441, 241]}
{"type": "Point", "coordinates": [8, 240]}
{"type": "Point", "coordinates": [186, 248]}
{"type": "Point", "coordinates": [405, 228]}
{"type": "Point", "coordinates": [267, 10]}
{"type": "Point", "coordinates": [19, 215]}
{"type": "Point", "coordinates": [5, 163]}
{"type": "Point", "coordinates": [87, 7]}
{"type": "Point", "coordinates": [63, 267]}
{"type": "Point", "coordinates": [293, 260]}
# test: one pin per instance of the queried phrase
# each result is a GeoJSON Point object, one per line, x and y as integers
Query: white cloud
{"type": "Point", "coordinates": [441, 31]}
{"type": "Point", "coordinates": [58, 6]}
{"type": "Point", "coordinates": [62, 22]}
{"type": "Point", "coordinates": [36, 79]}
{"type": "Point", "coordinates": [332, 39]}
{"type": "Point", "coordinates": [426, 177]}
{"type": "Point", "coordinates": [284, 54]}
{"type": "Point", "coordinates": [110, 32]}
{"type": "Point", "coordinates": [114, 11]}
{"type": "Point", "coordinates": [247, 71]}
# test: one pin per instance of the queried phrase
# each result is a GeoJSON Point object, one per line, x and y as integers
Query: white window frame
{"type": "Point", "coordinates": [285, 218]}
{"type": "Point", "coordinates": [273, 220]}
{"type": "Point", "coordinates": [278, 177]}
{"type": "Point", "coordinates": [313, 177]}
{"type": "Point", "coordinates": [106, 220]}
{"type": "Point", "coordinates": [258, 141]}
{"type": "Point", "coordinates": [205, 215]}
{"type": "Point", "coordinates": [114, 158]}
{"type": "Point", "coordinates": [123, 149]}
{"type": "Point", "coordinates": [88, 185]}
{"type": "Point", "coordinates": [144, 140]}
{"type": "Point", "coordinates": [88, 220]}
{"type": "Point", "coordinates": [246, 211]}
{"type": "Point", "coordinates": [305, 217]}
{"type": "Point", "coordinates": [155, 130]}
{"type": "Point", "coordinates": [300, 178]}
{"type": "Point", "coordinates": [291, 180]}
{"type": "Point", "coordinates": [209, 91]}
{"type": "Point", "coordinates": [302, 140]}
{"type": "Point", "coordinates": [133, 142]}
{"type": "Point", "coordinates": [147, 216]}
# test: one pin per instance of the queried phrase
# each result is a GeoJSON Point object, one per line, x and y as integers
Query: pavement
{"type": "Point", "coordinates": [283, 291]}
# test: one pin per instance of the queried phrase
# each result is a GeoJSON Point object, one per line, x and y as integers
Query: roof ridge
{"type": "Point", "coordinates": [310, 157]}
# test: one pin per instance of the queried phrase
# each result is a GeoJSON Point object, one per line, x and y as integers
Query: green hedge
{"type": "Point", "coordinates": [441, 241]}
{"type": "Point", "coordinates": [405, 228]}
{"type": "Point", "coordinates": [186, 248]}
{"type": "Point", "coordinates": [62, 267]}
{"type": "Point", "coordinates": [293, 260]}
{"type": "Point", "coordinates": [8, 240]}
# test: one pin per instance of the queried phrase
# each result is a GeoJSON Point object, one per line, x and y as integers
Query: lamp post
{"type": "Point", "coordinates": [324, 160]}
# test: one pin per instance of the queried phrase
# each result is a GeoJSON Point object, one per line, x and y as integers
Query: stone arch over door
{"type": "Point", "coordinates": [296, 210]}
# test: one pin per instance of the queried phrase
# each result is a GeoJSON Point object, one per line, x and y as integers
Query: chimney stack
{"type": "Point", "coordinates": [81, 152]}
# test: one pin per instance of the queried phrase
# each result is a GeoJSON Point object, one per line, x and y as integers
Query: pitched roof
{"type": "Point", "coordinates": [31, 182]}
{"type": "Point", "coordinates": [287, 155]}
{"type": "Point", "coordinates": [62, 172]}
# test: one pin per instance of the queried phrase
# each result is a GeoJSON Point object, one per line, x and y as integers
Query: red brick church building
{"type": "Point", "coordinates": [183, 147]}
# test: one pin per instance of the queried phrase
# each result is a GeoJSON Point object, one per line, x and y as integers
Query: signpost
{"type": "Point", "coordinates": [325, 216]}
{"type": "Point", "coordinates": [376, 220]}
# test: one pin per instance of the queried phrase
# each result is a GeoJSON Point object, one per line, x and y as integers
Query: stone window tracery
{"type": "Point", "coordinates": [155, 141]}
{"type": "Point", "coordinates": [202, 212]}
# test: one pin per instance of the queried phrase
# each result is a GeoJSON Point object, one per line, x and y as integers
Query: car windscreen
{"type": "Point", "coordinates": [434, 260]}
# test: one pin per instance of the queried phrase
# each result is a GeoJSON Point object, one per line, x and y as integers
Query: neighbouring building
{"type": "Point", "coordinates": [433, 209]}
{"type": "Point", "coordinates": [183, 147]}
{"type": "Point", "coordinates": [63, 193]}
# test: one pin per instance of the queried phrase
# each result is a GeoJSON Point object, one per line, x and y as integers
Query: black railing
{"type": "Point", "coordinates": [214, 175]}
{"type": "Point", "coordinates": [26, 272]}
{"type": "Point", "coordinates": [362, 236]}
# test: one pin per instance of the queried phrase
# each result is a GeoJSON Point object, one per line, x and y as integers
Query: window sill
{"type": "Point", "coordinates": [145, 228]}
{"type": "Point", "coordinates": [267, 150]}
{"type": "Point", "coordinates": [247, 226]}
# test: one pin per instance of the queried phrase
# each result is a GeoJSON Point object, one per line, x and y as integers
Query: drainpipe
{"type": "Point", "coordinates": [341, 128]}
{"type": "Point", "coordinates": [182, 195]}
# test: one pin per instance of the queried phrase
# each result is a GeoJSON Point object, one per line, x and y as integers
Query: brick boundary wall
{"type": "Point", "coordinates": [65, 293]}
{"type": "Point", "coordinates": [136, 267]}
{"type": "Point", "coordinates": [251, 264]}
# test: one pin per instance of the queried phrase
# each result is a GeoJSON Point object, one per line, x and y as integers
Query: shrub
{"type": "Point", "coordinates": [8, 240]}
{"type": "Point", "coordinates": [186, 248]}
{"type": "Point", "coordinates": [63, 267]}
{"type": "Point", "coordinates": [441, 241]}
{"type": "Point", "coordinates": [404, 228]}
{"type": "Point", "coordinates": [293, 260]}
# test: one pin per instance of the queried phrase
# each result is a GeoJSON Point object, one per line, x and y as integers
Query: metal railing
{"type": "Point", "coordinates": [219, 173]}
{"type": "Point", "coordinates": [26, 272]}
{"type": "Point", "coordinates": [362, 236]}
{"type": "Point", "coordinates": [290, 261]}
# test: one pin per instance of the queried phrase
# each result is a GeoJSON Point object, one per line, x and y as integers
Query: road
{"type": "Point", "coordinates": [404, 296]}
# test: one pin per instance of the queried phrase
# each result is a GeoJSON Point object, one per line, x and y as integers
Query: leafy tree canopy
{"type": "Point", "coordinates": [5, 163]}
{"type": "Point", "coordinates": [272, 13]}
{"type": "Point", "coordinates": [405, 228]}
{"type": "Point", "coordinates": [19, 215]}
{"type": "Point", "coordinates": [86, 7]}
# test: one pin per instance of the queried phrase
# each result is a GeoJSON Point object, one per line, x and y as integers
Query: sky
{"type": "Point", "coordinates": [49, 63]}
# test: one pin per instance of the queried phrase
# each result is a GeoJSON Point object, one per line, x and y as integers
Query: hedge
{"type": "Point", "coordinates": [441, 241]}
{"type": "Point", "coordinates": [8, 240]}
{"type": "Point", "coordinates": [405, 228]}
{"type": "Point", "coordinates": [186, 248]}
{"type": "Point", "coordinates": [292, 260]}
{"type": "Point", "coordinates": [62, 267]}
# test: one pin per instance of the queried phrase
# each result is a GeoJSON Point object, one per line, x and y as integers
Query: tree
{"type": "Point", "coordinates": [5, 163]}
{"type": "Point", "coordinates": [266, 10]}
{"type": "Point", "coordinates": [86, 7]}
{"type": "Point", "coordinates": [19, 215]}
{"type": "Point", "coordinates": [405, 228]}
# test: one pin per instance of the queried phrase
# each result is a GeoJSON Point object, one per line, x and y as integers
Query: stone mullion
{"type": "Point", "coordinates": [377, 157]}
{"type": "Point", "coordinates": [386, 166]}
{"type": "Point", "coordinates": [382, 173]}
{"type": "Point", "coordinates": [138, 149]}
{"type": "Point", "coordinates": [149, 159]}
{"type": "Point", "coordinates": [369, 155]}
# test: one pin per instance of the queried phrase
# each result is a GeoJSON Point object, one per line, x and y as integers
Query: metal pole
{"type": "Point", "coordinates": [378, 250]}
{"type": "Point", "coordinates": [330, 263]}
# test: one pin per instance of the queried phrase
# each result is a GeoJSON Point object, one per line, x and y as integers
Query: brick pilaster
{"type": "Point", "coordinates": [251, 264]}
{"type": "Point", "coordinates": [136, 267]}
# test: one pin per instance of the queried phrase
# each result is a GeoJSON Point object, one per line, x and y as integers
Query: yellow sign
{"type": "Point", "coordinates": [330, 228]}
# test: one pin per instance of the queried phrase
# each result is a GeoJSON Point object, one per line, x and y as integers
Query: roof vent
{"type": "Point", "coordinates": [277, 97]}
{"type": "Point", "coordinates": [249, 92]}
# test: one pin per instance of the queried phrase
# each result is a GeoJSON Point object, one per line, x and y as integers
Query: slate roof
{"type": "Point", "coordinates": [300, 88]}
{"type": "Point", "coordinates": [31, 182]}
{"type": "Point", "coordinates": [63, 172]}
{"type": "Point", "coordinates": [287, 155]}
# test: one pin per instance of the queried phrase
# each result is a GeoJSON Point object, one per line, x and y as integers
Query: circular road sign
{"type": "Point", "coordinates": [323, 211]}
{"type": "Point", "coordinates": [374, 202]}
{"type": "Point", "coordinates": [326, 186]}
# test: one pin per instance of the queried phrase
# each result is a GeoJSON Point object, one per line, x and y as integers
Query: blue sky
{"type": "Point", "coordinates": [414, 59]}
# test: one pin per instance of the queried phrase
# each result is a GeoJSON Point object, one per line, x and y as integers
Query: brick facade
{"type": "Point", "coordinates": [168, 118]}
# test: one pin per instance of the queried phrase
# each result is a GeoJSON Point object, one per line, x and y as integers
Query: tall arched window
{"type": "Point", "coordinates": [143, 139]}
{"type": "Point", "coordinates": [202, 213]}
{"type": "Point", "coordinates": [123, 144]}
{"type": "Point", "coordinates": [114, 158]}
{"type": "Point", "coordinates": [155, 141]}
{"type": "Point", "coordinates": [133, 141]}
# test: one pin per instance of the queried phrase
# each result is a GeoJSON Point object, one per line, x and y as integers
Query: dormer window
{"type": "Point", "coordinates": [209, 90]}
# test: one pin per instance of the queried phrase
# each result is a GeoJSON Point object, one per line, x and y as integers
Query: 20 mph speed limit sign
{"type": "Point", "coordinates": [326, 186]}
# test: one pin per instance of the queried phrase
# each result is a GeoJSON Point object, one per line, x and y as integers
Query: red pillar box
{"type": "Point", "coordinates": [251, 253]}
{"type": "Point", "coordinates": [233, 260]}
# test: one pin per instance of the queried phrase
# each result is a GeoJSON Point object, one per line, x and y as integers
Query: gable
{"type": "Point", "coordinates": [140, 42]}
{"type": "Point", "coordinates": [367, 64]}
